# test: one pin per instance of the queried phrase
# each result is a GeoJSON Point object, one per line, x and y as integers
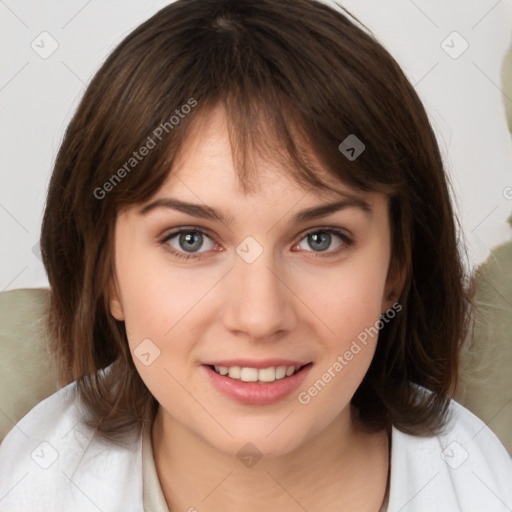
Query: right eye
{"type": "Point", "coordinates": [187, 243]}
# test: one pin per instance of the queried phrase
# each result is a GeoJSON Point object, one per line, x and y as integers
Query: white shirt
{"type": "Point", "coordinates": [51, 462]}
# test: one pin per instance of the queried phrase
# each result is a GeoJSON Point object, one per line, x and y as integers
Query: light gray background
{"type": "Point", "coordinates": [462, 95]}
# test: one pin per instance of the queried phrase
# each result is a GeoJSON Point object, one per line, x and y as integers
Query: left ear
{"type": "Point", "coordinates": [116, 306]}
{"type": "Point", "coordinates": [394, 285]}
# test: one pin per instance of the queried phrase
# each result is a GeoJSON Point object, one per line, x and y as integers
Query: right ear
{"type": "Point", "coordinates": [116, 306]}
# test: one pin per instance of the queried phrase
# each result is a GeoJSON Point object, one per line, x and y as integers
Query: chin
{"type": "Point", "coordinates": [251, 448]}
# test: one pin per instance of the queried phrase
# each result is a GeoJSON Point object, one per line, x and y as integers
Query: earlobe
{"type": "Point", "coordinates": [116, 307]}
{"type": "Point", "coordinates": [394, 286]}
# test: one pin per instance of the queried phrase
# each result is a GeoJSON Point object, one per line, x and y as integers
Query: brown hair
{"type": "Point", "coordinates": [288, 72]}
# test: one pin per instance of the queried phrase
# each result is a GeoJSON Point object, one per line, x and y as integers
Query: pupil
{"type": "Point", "coordinates": [325, 237]}
{"type": "Point", "coordinates": [191, 240]}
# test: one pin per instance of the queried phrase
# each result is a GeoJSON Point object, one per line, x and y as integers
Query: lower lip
{"type": "Point", "coordinates": [257, 393]}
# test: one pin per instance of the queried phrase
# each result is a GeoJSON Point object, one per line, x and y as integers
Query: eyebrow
{"type": "Point", "coordinates": [207, 212]}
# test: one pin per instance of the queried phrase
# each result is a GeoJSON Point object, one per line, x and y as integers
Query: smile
{"type": "Point", "coordinates": [256, 386]}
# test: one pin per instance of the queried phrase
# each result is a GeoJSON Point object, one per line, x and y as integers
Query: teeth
{"type": "Point", "coordinates": [235, 372]}
{"type": "Point", "coordinates": [247, 374]}
{"type": "Point", "coordinates": [266, 374]}
{"type": "Point", "coordinates": [281, 372]}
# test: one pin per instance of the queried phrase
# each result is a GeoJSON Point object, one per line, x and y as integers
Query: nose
{"type": "Point", "coordinates": [257, 299]}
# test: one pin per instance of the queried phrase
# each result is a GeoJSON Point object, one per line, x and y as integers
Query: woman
{"type": "Point", "coordinates": [257, 295]}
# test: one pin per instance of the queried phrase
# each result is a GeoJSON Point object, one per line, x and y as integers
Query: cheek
{"type": "Point", "coordinates": [348, 305]}
{"type": "Point", "coordinates": [164, 307]}
{"type": "Point", "coordinates": [164, 299]}
{"type": "Point", "coordinates": [161, 327]}
{"type": "Point", "coordinates": [348, 298]}
{"type": "Point", "coordinates": [155, 293]}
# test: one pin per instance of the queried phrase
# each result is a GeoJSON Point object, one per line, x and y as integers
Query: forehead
{"type": "Point", "coordinates": [205, 164]}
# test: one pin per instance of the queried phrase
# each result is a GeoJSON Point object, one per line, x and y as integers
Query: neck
{"type": "Point", "coordinates": [343, 467]}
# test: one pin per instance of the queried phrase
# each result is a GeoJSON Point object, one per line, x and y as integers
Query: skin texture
{"type": "Point", "coordinates": [291, 302]}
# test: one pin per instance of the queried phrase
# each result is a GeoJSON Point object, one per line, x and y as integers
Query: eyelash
{"type": "Point", "coordinates": [347, 243]}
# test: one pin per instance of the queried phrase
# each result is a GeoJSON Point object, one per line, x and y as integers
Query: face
{"type": "Point", "coordinates": [259, 290]}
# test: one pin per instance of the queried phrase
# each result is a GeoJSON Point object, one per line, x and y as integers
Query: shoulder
{"type": "Point", "coordinates": [463, 468]}
{"type": "Point", "coordinates": [50, 460]}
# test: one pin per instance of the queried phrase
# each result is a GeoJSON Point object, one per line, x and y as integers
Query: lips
{"type": "Point", "coordinates": [256, 393]}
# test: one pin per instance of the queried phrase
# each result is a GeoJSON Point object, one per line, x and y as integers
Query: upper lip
{"type": "Point", "coordinates": [263, 363]}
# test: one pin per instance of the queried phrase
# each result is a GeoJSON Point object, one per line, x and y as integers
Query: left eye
{"type": "Point", "coordinates": [321, 239]}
